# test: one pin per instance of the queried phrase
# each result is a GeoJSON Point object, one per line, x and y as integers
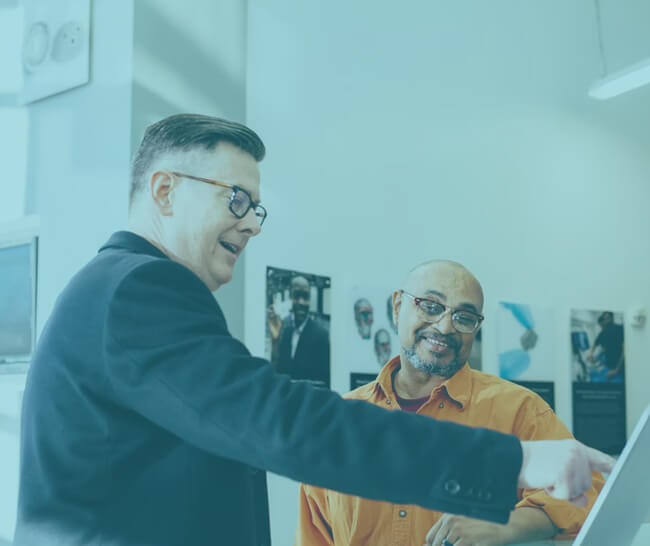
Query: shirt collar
{"type": "Point", "coordinates": [385, 377]}
{"type": "Point", "coordinates": [458, 388]}
{"type": "Point", "coordinates": [301, 327]}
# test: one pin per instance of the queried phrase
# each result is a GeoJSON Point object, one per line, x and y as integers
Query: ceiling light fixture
{"type": "Point", "coordinates": [622, 81]}
{"type": "Point", "coordinates": [617, 83]}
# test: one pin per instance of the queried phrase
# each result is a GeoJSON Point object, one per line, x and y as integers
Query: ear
{"type": "Point", "coordinates": [397, 305]}
{"type": "Point", "coordinates": [161, 188]}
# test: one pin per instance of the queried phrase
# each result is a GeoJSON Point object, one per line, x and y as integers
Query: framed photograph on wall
{"type": "Point", "coordinates": [598, 374]}
{"type": "Point", "coordinates": [298, 324]}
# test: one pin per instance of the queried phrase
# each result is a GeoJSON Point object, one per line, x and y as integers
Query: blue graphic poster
{"type": "Point", "coordinates": [525, 347]}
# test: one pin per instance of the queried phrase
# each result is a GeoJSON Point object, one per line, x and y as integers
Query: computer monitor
{"type": "Point", "coordinates": [624, 502]}
{"type": "Point", "coordinates": [18, 266]}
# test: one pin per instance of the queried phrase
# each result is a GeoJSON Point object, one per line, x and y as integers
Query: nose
{"type": "Point", "coordinates": [444, 324]}
{"type": "Point", "coordinates": [250, 224]}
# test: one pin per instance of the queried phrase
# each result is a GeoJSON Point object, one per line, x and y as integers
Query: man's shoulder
{"type": "Point", "coordinates": [123, 266]}
{"type": "Point", "coordinates": [104, 273]}
{"type": "Point", "coordinates": [503, 390]}
{"type": "Point", "coordinates": [365, 392]}
{"type": "Point", "coordinates": [119, 278]}
{"type": "Point", "coordinates": [317, 326]}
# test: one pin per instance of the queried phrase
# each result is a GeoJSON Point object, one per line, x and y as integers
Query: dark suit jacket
{"type": "Point", "coordinates": [312, 358]}
{"type": "Point", "coordinates": [143, 420]}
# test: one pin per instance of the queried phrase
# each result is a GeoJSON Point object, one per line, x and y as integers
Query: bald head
{"type": "Point", "coordinates": [300, 298]}
{"type": "Point", "coordinates": [438, 343]}
{"type": "Point", "coordinates": [299, 283]}
{"type": "Point", "coordinates": [446, 279]}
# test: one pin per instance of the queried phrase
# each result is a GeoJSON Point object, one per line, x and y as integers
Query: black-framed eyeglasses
{"type": "Point", "coordinates": [463, 320]}
{"type": "Point", "coordinates": [240, 200]}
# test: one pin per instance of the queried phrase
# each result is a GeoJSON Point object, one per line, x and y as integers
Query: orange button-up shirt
{"type": "Point", "coordinates": [471, 398]}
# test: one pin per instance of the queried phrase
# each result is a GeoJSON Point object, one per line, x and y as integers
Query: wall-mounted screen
{"type": "Point", "coordinates": [17, 300]}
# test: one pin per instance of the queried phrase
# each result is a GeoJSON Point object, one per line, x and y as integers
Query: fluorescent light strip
{"type": "Point", "coordinates": [620, 82]}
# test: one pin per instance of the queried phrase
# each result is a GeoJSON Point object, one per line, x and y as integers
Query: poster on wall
{"type": "Point", "coordinates": [371, 338]}
{"type": "Point", "coordinates": [598, 373]}
{"type": "Point", "coordinates": [298, 324]}
{"type": "Point", "coordinates": [525, 347]}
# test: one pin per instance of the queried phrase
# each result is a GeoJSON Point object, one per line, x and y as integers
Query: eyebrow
{"type": "Point", "coordinates": [231, 185]}
{"type": "Point", "coordinates": [257, 202]}
{"type": "Point", "coordinates": [468, 306]}
{"type": "Point", "coordinates": [436, 293]}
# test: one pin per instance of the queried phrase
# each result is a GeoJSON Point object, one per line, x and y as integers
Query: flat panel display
{"type": "Point", "coordinates": [17, 301]}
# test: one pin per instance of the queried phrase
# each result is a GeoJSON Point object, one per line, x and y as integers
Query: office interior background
{"type": "Point", "coordinates": [395, 133]}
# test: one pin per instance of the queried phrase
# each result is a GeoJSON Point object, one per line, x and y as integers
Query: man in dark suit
{"type": "Point", "coordinates": [610, 340]}
{"type": "Point", "coordinates": [300, 343]}
{"type": "Point", "coordinates": [145, 422]}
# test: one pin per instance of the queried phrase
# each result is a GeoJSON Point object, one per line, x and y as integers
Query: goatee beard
{"type": "Point", "coordinates": [431, 368]}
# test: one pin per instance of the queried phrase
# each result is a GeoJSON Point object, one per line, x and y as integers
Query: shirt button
{"type": "Point", "coordinates": [441, 405]}
{"type": "Point", "coordinates": [452, 487]}
{"type": "Point", "coordinates": [402, 513]}
{"type": "Point", "coordinates": [388, 402]}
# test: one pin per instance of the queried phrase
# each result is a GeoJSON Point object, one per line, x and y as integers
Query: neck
{"type": "Point", "coordinates": [149, 230]}
{"type": "Point", "coordinates": [413, 383]}
{"type": "Point", "coordinates": [152, 231]}
{"type": "Point", "coordinates": [297, 323]}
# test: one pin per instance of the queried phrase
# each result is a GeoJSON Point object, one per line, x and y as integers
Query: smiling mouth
{"type": "Point", "coordinates": [436, 344]}
{"type": "Point", "coordinates": [230, 247]}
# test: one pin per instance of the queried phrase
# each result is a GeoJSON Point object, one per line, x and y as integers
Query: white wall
{"type": "Point", "coordinates": [13, 119]}
{"type": "Point", "coordinates": [13, 138]}
{"type": "Point", "coordinates": [11, 20]}
{"type": "Point", "coordinates": [11, 387]}
{"type": "Point", "coordinates": [79, 153]}
{"type": "Point", "coordinates": [14, 122]}
{"type": "Point", "coordinates": [459, 130]}
{"type": "Point", "coordinates": [192, 58]}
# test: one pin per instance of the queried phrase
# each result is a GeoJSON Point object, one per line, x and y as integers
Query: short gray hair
{"type": "Point", "coordinates": [185, 132]}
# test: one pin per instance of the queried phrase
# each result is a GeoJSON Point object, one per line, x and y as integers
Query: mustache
{"type": "Point", "coordinates": [448, 339]}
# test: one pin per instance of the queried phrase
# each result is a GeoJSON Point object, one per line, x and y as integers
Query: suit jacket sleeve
{"type": "Point", "coordinates": [536, 421]}
{"type": "Point", "coordinates": [169, 357]}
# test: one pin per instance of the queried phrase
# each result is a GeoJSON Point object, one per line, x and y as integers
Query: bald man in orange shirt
{"type": "Point", "coordinates": [438, 313]}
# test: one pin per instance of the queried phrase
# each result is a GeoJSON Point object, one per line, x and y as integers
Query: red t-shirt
{"type": "Point", "coordinates": [412, 405]}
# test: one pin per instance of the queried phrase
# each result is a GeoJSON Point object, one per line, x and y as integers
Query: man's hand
{"type": "Point", "coordinates": [525, 524]}
{"type": "Point", "coordinates": [562, 467]}
{"type": "Point", "coordinates": [462, 531]}
{"type": "Point", "coordinates": [275, 323]}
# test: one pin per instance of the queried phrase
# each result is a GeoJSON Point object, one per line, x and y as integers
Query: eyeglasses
{"type": "Point", "coordinates": [464, 321]}
{"type": "Point", "coordinates": [240, 200]}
